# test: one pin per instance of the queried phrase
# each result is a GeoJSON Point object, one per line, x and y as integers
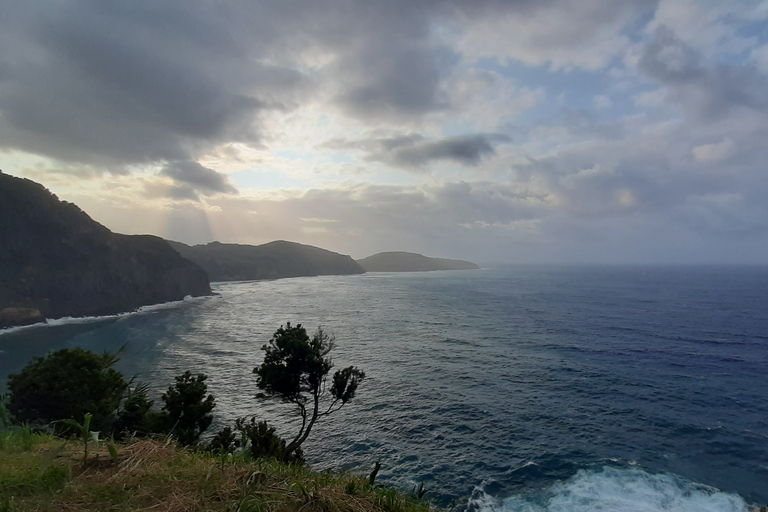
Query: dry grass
{"type": "Point", "coordinates": [158, 476]}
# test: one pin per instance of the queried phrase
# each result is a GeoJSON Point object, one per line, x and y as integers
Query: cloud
{"type": "Point", "coordinates": [706, 93]}
{"type": "Point", "coordinates": [372, 218]}
{"type": "Point", "coordinates": [560, 33]}
{"type": "Point", "coordinates": [659, 124]}
{"type": "Point", "coordinates": [671, 61]}
{"type": "Point", "coordinates": [759, 56]}
{"type": "Point", "coordinates": [602, 101]}
{"type": "Point", "coordinates": [655, 98]}
{"type": "Point", "coordinates": [710, 27]}
{"type": "Point", "coordinates": [118, 84]}
{"type": "Point", "coordinates": [487, 99]}
{"type": "Point", "coordinates": [582, 123]}
{"type": "Point", "coordinates": [414, 151]}
{"type": "Point", "coordinates": [625, 206]}
{"type": "Point", "coordinates": [192, 177]}
{"type": "Point", "coordinates": [466, 150]}
{"type": "Point", "coordinates": [724, 213]}
{"type": "Point", "coordinates": [395, 77]}
{"type": "Point", "coordinates": [714, 152]}
{"type": "Point", "coordinates": [650, 171]}
{"type": "Point", "coordinates": [611, 216]}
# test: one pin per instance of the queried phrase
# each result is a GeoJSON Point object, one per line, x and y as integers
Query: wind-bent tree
{"type": "Point", "coordinates": [296, 369]}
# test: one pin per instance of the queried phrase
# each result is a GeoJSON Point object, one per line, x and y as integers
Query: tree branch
{"type": "Point", "coordinates": [303, 411]}
{"type": "Point", "coordinates": [328, 411]}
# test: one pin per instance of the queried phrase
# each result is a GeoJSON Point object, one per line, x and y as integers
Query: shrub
{"type": "Point", "coordinates": [225, 441]}
{"type": "Point", "coordinates": [187, 411]}
{"type": "Point", "coordinates": [5, 416]}
{"type": "Point", "coordinates": [262, 443]}
{"type": "Point", "coordinates": [135, 415]}
{"type": "Point", "coordinates": [68, 384]}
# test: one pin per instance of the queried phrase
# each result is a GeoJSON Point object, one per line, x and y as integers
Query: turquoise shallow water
{"type": "Point", "coordinates": [517, 388]}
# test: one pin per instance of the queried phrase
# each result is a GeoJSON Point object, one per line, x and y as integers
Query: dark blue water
{"type": "Point", "coordinates": [518, 389]}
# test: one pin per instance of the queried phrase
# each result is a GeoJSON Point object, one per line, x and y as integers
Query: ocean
{"type": "Point", "coordinates": [509, 389]}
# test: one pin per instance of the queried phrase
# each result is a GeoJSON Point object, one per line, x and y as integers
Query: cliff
{"type": "Point", "coordinates": [411, 262]}
{"type": "Point", "coordinates": [235, 262]}
{"type": "Point", "coordinates": [56, 261]}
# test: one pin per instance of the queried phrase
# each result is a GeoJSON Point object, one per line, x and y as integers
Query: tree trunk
{"type": "Point", "coordinates": [297, 443]}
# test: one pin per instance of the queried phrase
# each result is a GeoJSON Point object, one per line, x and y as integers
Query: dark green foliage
{"type": "Point", "coordinates": [262, 443]}
{"type": "Point", "coordinates": [5, 416]}
{"type": "Point", "coordinates": [293, 364]}
{"type": "Point", "coordinates": [136, 412]}
{"type": "Point", "coordinates": [420, 491]}
{"type": "Point", "coordinates": [225, 441]}
{"type": "Point", "coordinates": [84, 431]}
{"type": "Point", "coordinates": [345, 383]}
{"type": "Point", "coordinates": [187, 409]}
{"type": "Point", "coordinates": [374, 473]}
{"type": "Point", "coordinates": [26, 437]}
{"type": "Point", "coordinates": [296, 368]}
{"type": "Point", "coordinates": [75, 383]}
{"type": "Point", "coordinates": [68, 384]}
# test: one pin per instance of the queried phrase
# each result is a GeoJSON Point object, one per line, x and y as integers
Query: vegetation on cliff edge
{"type": "Point", "coordinates": [43, 473]}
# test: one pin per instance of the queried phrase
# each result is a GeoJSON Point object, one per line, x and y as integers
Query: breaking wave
{"type": "Point", "coordinates": [67, 320]}
{"type": "Point", "coordinates": [617, 490]}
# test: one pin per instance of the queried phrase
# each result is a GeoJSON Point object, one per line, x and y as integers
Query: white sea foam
{"type": "Point", "coordinates": [88, 319]}
{"type": "Point", "coordinates": [619, 490]}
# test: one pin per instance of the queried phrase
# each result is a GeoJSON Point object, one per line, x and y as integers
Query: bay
{"type": "Point", "coordinates": [513, 388]}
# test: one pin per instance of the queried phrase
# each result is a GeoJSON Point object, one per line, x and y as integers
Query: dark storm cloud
{"type": "Point", "coordinates": [119, 83]}
{"type": "Point", "coordinates": [707, 93]}
{"type": "Point", "coordinates": [398, 84]}
{"type": "Point", "coordinates": [122, 83]}
{"type": "Point", "coordinates": [466, 150]}
{"type": "Point", "coordinates": [197, 177]}
{"type": "Point", "coordinates": [414, 151]}
{"type": "Point", "coordinates": [671, 61]}
{"type": "Point", "coordinates": [180, 193]}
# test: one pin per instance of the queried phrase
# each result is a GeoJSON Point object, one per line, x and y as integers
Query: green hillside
{"type": "Point", "coordinates": [56, 261]}
{"type": "Point", "coordinates": [235, 262]}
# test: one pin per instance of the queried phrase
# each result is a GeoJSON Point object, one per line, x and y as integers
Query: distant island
{"type": "Point", "coordinates": [55, 261]}
{"type": "Point", "coordinates": [274, 260]}
{"type": "Point", "coordinates": [411, 262]}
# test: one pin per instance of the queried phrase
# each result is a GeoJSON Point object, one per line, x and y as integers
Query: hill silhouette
{"type": "Point", "coordinates": [56, 261]}
{"type": "Point", "coordinates": [274, 260]}
{"type": "Point", "coordinates": [411, 262]}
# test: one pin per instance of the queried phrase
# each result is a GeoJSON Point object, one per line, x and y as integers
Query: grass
{"type": "Point", "coordinates": [44, 473]}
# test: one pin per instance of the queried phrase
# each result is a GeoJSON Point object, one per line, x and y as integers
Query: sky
{"type": "Point", "coordinates": [518, 131]}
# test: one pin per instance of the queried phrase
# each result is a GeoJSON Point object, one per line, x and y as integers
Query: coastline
{"type": "Point", "coordinates": [52, 322]}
